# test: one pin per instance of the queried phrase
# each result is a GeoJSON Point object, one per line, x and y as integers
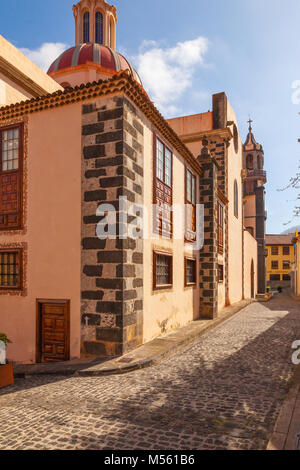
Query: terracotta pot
{"type": "Point", "coordinates": [6, 375]}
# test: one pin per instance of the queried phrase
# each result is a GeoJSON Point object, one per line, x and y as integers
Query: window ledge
{"type": "Point", "coordinates": [162, 289]}
{"type": "Point", "coordinates": [163, 286]}
{"type": "Point", "coordinates": [190, 285]}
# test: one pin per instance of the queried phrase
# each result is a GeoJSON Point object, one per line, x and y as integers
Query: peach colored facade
{"type": "Point", "coordinates": [175, 307]}
{"type": "Point", "coordinates": [250, 266]}
{"type": "Point", "coordinates": [74, 76]}
{"type": "Point", "coordinates": [188, 127]}
{"type": "Point", "coordinates": [52, 228]}
{"type": "Point", "coordinates": [235, 224]}
{"type": "Point", "coordinates": [249, 210]}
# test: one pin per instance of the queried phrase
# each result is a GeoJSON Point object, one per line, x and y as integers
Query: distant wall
{"type": "Point", "coordinates": [235, 224]}
{"type": "Point", "coordinates": [250, 250]}
{"type": "Point", "coordinates": [250, 212]}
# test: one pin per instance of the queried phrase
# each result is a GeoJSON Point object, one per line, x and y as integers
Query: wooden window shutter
{"type": "Point", "coordinates": [11, 182]}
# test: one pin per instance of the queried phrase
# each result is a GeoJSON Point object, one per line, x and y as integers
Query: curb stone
{"type": "Point", "coordinates": [145, 356]}
{"type": "Point", "coordinates": [156, 359]}
{"type": "Point", "coordinates": [284, 436]}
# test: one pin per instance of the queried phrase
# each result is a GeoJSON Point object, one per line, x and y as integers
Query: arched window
{"type": "Point", "coordinates": [259, 162]}
{"type": "Point", "coordinates": [249, 162]}
{"type": "Point", "coordinates": [235, 138]}
{"type": "Point", "coordinates": [99, 28]}
{"type": "Point", "coordinates": [86, 27]}
{"type": "Point", "coordinates": [236, 199]}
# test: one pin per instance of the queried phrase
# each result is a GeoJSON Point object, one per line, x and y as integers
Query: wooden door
{"type": "Point", "coordinates": [54, 331]}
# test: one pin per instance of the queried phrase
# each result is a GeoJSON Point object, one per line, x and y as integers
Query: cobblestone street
{"type": "Point", "coordinates": [222, 392]}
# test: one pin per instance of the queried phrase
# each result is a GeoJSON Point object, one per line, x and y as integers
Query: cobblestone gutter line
{"type": "Point", "coordinates": [146, 356]}
{"type": "Point", "coordinates": [287, 428]}
{"type": "Point", "coordinates": [160, 348]}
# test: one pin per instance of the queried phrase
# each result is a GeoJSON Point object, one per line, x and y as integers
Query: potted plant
{"type": "Point", "coordinates": [6, 368]}
{"type": "Point", "coordinates": [279, 288]}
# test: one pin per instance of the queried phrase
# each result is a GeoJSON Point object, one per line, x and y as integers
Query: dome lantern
{"type": "Point", "coordinates": [95, 21]}
{"type": "Point", "coordinates": [94, 55]}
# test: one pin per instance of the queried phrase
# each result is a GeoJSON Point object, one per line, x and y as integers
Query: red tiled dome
{"type": "Point", "coordinates": [92, 52]}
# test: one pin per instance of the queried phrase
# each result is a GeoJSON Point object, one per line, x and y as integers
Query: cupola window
{"type": "Point", "coordinates": [99, 28]}
{"type": "Point", "coordinates": [86, 27]}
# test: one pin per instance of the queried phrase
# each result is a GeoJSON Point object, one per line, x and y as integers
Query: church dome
{"type": "Point", "coordinates": [98, 54]}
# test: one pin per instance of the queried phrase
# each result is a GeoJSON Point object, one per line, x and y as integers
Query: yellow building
{"type": "Point", "coordinates": [280, 259]}
{"type": "Point", "coordinates": [296, 267]}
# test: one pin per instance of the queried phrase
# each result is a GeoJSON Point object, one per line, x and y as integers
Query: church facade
{"type": "Point", "coordinates": [91, 153]}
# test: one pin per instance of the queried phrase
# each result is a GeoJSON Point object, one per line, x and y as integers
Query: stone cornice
{"type": "Point", "coordinates": [210, 134]}
{"type": "Point", "coordinates": [222, 197]}
{"type": "Point", "coordinates": [101, 4]}
{"type": "Point", "coordinates": [13, 74]}
{"type": "Point", "coordinates": [120, 82]}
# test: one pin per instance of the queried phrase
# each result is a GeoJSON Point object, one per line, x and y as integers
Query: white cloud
{"type": "Point", "coordinates": [44, 55]}
{"type": "Point", "coordinates": [168, 72]}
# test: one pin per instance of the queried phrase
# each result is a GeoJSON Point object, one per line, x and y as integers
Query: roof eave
{"type": "Point", "coordinates": [120, 82]}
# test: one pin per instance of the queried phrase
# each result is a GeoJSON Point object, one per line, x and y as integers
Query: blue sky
{"type": "Point", "coordinates": [250, 50]}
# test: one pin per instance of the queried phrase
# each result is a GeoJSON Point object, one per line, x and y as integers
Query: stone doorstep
{"type": "Point", "coordinates": [67, 368]}
{"type": "Point", "coordinates": [264, 297]}
{"type": "Point", "coordinates": [294, 297]}
{"type": "Point", "coordinates": [145, 356]}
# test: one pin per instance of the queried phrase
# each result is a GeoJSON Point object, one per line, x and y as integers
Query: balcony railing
{"type": "Point", "coordinates": [257, 174]}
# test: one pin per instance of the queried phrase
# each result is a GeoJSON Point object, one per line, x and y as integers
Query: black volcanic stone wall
{"type": "Point", "coordinates": [112, 270]}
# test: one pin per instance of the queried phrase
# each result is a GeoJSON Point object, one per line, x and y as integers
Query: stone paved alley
{"type": "Point", "coordinates": [222, 392]}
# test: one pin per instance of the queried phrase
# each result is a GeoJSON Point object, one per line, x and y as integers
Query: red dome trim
{"type": "Point", "coordinates": [66, 58]}
{"type": "Point", "coordinates": [92, 52]}
{"type": "Point", "coordinates": [107, 60]}
{"type": "Point", "coordinates": [85, 55]}
{"type": "Point", "coordinates": [123, 62]}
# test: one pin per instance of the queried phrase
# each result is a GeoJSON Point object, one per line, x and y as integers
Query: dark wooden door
{"type": "Point", "coordinates": [54, 321]}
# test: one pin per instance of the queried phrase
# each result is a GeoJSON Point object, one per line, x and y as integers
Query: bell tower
{"type": "Point", "coordinates": [254, 201]}
{"type": "Point", "coordinates": [95, 22]}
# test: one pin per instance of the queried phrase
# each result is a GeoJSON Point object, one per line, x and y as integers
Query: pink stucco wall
{"type": "Point", "coordinates": [192, 124]}
{"type": "Point", "coordinates": [250, 212]}
{"type": "Point", "coordinates": [250, 255]}
{"type": "Point", "coordinates": [53, 227]}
